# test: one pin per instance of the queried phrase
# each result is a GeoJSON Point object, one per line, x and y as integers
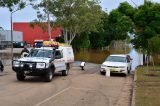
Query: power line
{"type": "Point", "coordinates": [134, 3]}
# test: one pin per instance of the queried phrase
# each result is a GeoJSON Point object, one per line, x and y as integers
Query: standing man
{"type": "Point", "coordinates": [32, 50]}
{"type": "Point", "coordinates": [25, 51]}
{"type": "Point", "coordinates": [1, 66]}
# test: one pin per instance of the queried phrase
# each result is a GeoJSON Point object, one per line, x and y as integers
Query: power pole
{"type": "Point", "coordinates": [49, 25]}
{"type": "Point", "coordinates": [11, 36]}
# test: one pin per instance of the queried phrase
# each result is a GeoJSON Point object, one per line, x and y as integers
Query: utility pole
{"type": "Point", "coordinates": [49, 25]}
{"type": "Point", "coordinates": [12, 32]}
{"type": "Point", "coordinates": [11, 22]}
{"type": "Point", "coordinates": [11, 36]}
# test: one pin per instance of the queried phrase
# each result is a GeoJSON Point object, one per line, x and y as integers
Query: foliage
{"type": "Point", "coordinates": [126, 9]}
{"type": "Point", "coordinates": [147, 24]}
{"type": "Point", "coordinates": [12, 4]}
{"type": "Point", "coordinates": [119, 24]}
{"type": "Point", "coordinates": [154, 45]}
{"type": "Point", "coordinates": [74, 16]}
{"type": "Point", "coordinates": [98, 39]}
{"type": "Point", "coordinates": [116, 26]}
{"type": "Point", "coordinates": [60, 39]}
{"type": "Point", "coordinates": [81, 41]}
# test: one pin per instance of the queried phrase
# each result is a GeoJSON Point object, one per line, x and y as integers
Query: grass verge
{"type": "Point", "coordinates": [148, 87]}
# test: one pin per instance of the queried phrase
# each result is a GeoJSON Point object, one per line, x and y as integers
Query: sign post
{"type": "Point", "coordinates": [108, 72]}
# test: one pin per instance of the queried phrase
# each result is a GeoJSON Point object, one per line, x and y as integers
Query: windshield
{"type": "Point", "coordinates": [41, 53]}
{"type": "Point", "coordinates": [116, 59]}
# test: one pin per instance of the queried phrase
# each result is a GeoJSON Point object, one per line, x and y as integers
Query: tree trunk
{"type": "Point", "coordinates": [147, 64]}
{"type": "Point", "coordinates": [144, 59]}
{"type": "Point", "coordinates": [153, 63]}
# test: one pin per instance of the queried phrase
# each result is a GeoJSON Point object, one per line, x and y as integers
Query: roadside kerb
{"type": "Point", "coordinates": [134, 89]}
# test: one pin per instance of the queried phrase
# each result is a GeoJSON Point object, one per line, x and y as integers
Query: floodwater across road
{"type": "Point", "coordinates": [137, 58]}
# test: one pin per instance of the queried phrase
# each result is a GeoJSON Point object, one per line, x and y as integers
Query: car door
{"type": "Point", "coordinates": [59, 62]}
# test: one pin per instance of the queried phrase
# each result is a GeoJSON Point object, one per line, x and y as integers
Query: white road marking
{"type": "Point", "coordinates": [49, 98]}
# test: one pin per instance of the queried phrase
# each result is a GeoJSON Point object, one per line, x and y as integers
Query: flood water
{"type": "Point", "coordinates": [137, 58]}
{"type": "Point", "coordinates": [98, 56]}
{"type": "Point", "coordinates": [95, 56]}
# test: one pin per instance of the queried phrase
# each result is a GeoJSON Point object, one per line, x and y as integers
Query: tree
{"type": "Point", "coordinates": [126, 9]}
{"type": "Point", "coordinates": [116, 26]}
{"type": "Point", "coordinates": [147, 24]}
{"type": "Point", "coordinates": [74, 16]}
{"type": "Point", "coordinates": [153, 45]}
{"type": "Point", "coordinates": [12, 4]}
{"type": "Point", "coordinates": [98, 39]}
{"type": "Point", "coordinates": [119, 25]}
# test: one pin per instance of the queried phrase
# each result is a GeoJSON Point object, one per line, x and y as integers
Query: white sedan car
{"type": "Point", "coordinates": [117, 64]}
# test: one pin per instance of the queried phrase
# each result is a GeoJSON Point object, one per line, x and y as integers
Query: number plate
{"type": "Point", "coordinates": [112, 69]}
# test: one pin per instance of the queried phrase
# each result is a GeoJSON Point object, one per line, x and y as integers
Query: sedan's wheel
{"type": "Point", "coordinates": [20, 76]}
{"type": "Point", "coordinates": [49, 76]}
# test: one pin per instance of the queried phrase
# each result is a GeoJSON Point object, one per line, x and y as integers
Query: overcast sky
{"type": "Point", "coordinates": [28, 14]}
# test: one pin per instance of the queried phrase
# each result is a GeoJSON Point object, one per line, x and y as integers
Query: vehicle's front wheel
{"type": "Point", "coordinates": [20, 76]}
{"type": "Point", "coordinates": [49, 76]}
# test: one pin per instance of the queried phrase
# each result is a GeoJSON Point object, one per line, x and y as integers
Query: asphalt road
{"type": "Point", "coordinates": [80, 88]}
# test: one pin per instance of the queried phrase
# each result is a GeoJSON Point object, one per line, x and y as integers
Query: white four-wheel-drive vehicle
{"type": "Point", "coordinates": [44, 61]}
{"type": "Point", "coordinates": [117, 64]}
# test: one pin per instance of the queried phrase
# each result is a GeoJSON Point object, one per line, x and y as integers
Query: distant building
{"type": "Point", "coordinates": [5, 38]}
{"type": "Point", "coordinates": [5, 35]}
{"type": "Point", "coordinates": [30, 34]}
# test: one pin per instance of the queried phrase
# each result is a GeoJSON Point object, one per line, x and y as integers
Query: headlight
{"type": "Point", "coordinates": [40, 65]}
{"type": "Point", "coordinates": [22, 64]}
{"type": "Point", "coordinates": [103, 65]}
{"type": "Point", "coordinates": [16, 63]}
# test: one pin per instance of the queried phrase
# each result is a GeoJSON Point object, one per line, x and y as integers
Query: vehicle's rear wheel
{"type": "Point", "coordinates": [65, 72]}
{"type": "Point", "coordinates": [128, 70]}
{"type": "Point", "coordinates": [20, 76]}
{"type": "Point", "coordinates": [49, 76]}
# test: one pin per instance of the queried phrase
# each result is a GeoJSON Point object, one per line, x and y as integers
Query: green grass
{"type": "Point", "coordinates": [148, 87]}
